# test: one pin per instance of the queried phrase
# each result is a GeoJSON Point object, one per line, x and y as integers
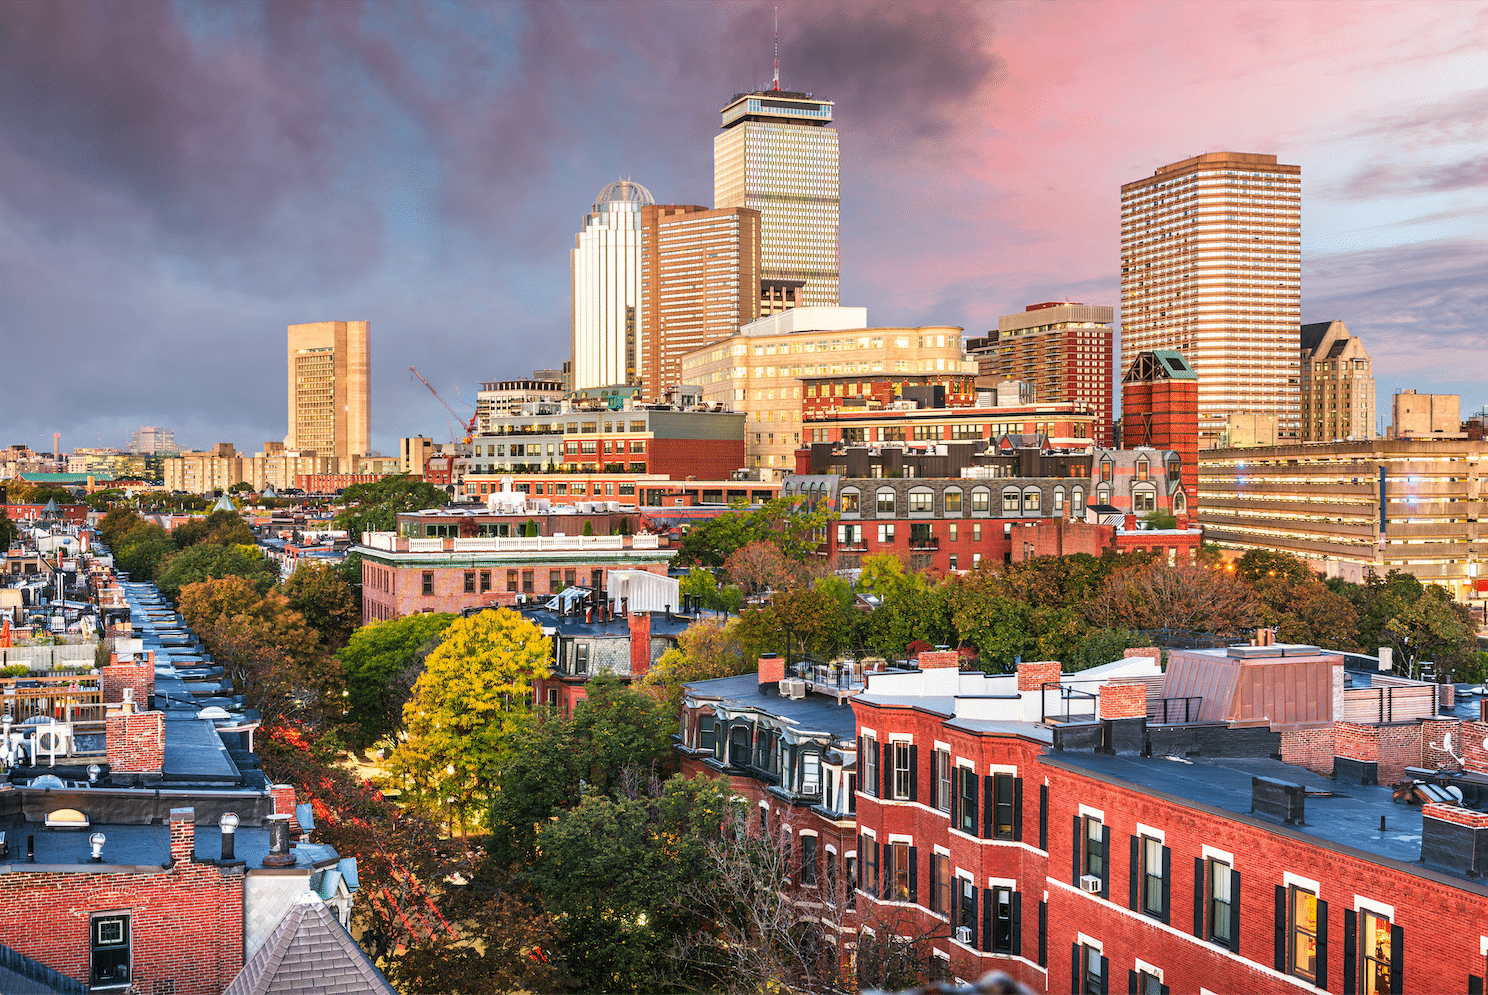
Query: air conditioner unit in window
{"type": "Point", "coordinates": [1090, 883]}
{"type": "Point", "coordinates": [963, 935]}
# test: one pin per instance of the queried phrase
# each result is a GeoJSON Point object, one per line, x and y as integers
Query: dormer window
{"type": "Point", "coordinates": [1107, 468]}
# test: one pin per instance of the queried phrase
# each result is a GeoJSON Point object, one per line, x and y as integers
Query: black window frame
{"type": "Point", "coordinates": [103, 957]}
{"type": "Point", "coordinates": [1297, 932]}
{"type": "Point", "coordinates": [903, 770]}
{"type": "Point", "coordinates": [809, 845]}
{"type": "Point", "coordinates": [1221, 912]}
{"type": "Point", "coordinates": [1004, 804]}
{"type": "Point", "coordinates": [1153, 881]}
{"type": "Point", "coordinates": [426, 588]}
{"type": "Point", "coordinates": [469, 581]}
{"type": "Point", "coordinates": [868, 762]}
{"type": "Point", "coordinates": [966, 800]}
{"type": "Point", "coordinates": [1093, 982]}
{"type": "Point", "coordinates": [944, 786]}
{"type": "Point", "coordinates": [1002, 919]}
{"type": "Point", "coordinates": [1095, 860]}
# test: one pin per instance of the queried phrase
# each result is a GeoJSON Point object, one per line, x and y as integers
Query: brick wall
{"type": "Point", "coordinates": [1452, 813]}
{"type": "Point", "coordinates": [1468, 743]}
{"type": "Point", "coordinates": [405, 596]}
{"type": "Point", "coordinates": [933, 659]}
{"type": "Point", "coordinates": [117, 676]}
{"type": "Point", "coordinates": [1058, 537]}
{"type": "Point", "coordinates": [1155, 652]}
{"type": "Point", "coordinates": [771, 669]}
{"type": "Point", "coordinates": [284, 804]}
{"type": "Point", "coordinates": [136, 742]}
{"type": "Point", "coordinates": [640, 643]}
{"type": "Point", "coordinates": [1034, 675]}
{"type": "Point", "coordinates": [1356, 742]}
{"type": "Point", "coordinates": [1123, 701]}
{"type": "Point", "coordinates": [1432, 731]}
{"type": "Point", "coordinates": [1310, 748]}
{"type": "Point", "coordinates": [1399, 748]}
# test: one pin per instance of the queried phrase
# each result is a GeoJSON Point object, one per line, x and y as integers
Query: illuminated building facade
{"type": "Point", "coordinates": [329, 371]}
{"type": "Point", "coordinates": [606, 275]}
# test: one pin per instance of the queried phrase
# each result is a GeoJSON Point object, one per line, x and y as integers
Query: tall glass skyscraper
{"type": "Point", "coordinates": [777, 154]}
{"type": "Point", "coordinates": [606, 268]}
{"type": "Point", "coordinates": [1211, 266]}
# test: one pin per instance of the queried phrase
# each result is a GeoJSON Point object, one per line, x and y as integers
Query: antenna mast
{"type": "Point", "coordinates": [777, 49]}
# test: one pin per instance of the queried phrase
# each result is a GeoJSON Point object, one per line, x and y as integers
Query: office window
{"type": "Point", "coordinates": [485, 581]}
{"type": "Point", "coordinates": [868, 761]}
{"type": "Point", "coordinates": [428, 587]}
{"type": "Point", "coordinates": [1303, 927]}
{"type": "Point", "coordinates": [902, 772]}
{"type": "Point", "coordinates": [1002, 920]}
{"type": "Point", "coordinates": [1220, 898]}
{"type": "Point", "coordinates": [943, 780]}
{"type": "Point", "coordinates": [1095, 847]}
{"type": "Point", "coordinates": [808, 860]}
{"type": "Point", "coordinates": [1003, 793]}
{"type": "Point", "coordinates": [1376, 944]}
{"type": "Point", "coordinates": [109, 942]}
{"type": "Point", "coordinates": [967, 802]}
{"type": "Point", "coordinates": [940, 883]}
{"type": "Point", "coordinates": [470, 582]}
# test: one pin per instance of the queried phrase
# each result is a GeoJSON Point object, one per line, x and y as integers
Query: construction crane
{"type": "Point", "coordinates": [469, 425]}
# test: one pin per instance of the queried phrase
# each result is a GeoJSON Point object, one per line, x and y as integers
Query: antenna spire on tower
{"type": "Point", "coordinates": [777, 49]}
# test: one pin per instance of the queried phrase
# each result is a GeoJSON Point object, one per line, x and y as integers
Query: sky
{"type": "Point", "coordinates": [179, 182]}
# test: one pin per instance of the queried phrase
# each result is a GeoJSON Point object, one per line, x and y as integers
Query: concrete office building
{"type": "Point", "coordinates": [1211, 267]}
{"type": "Point", "coordinates": [497, 398]}
{"type": "Point", "coordinates": [699, 284]}
{"type": "Point", "coordinates": [329, 370]}
{"type": "Point", "coordinates": [1425, 416]}
{"type": "Point", "coordinates": [757, 371]}
{"type": "Point", "coordinates": [777, 154]}
{"type": "Point", "coordinates": [1062, 348]}
{"type": "Point", "coordinates": [1338, 399]}
{"type": "Point", "coordinates": [606, 280]}
{"type": "Point", "coordinates": [1412, 505]}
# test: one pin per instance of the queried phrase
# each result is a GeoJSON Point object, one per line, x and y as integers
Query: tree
{"type": "Point", "coordinates": [1435, 628]}
{"type": "Point", "coordinates": [790, 524]}
{"type": "Point", "coordinates": [468, 706]}
{"type": "Point", "coordinates": [374, 507]}
{"type": "Point", "coordinates": [701, 583]}
{"type": "Point", "coordinates": [9, 531]}
{"type": "Point", "coordinates": [541, 779]}
{"type": "Point", "coordinates": [883, 575]}
{"type": "Point", "coordinates": [618, 729]}
{"type": "Point", "coordinates": [1157, 596]}
{"type": "Point", "coordinates": [206, 561]}
{"type": "Point", "coordinates": [220, 528]}
{"type": "Point", "coordinates": [118, 523]}
{"type": "Point", "coordinates": [317, 591]}
{"type": "Point", "coordinates": [1160, 520]}
{"type": "Point", "coordinates": [382, 662]}
{"type": "Point", "coordinates": [1103, 646]}
{"type": "Point", "coordinates": [106, 498]}
{"type": "Point", "coordinates": [241, 487]}
{"type": "Point", "coordinates": [759, 566]}
{"type": "Point", "coordinates": [814, 620]}
{"type": "Point", "coordinates": [705, 650]}
{"type": "Point", "coordinates": [1262, 564]}
{"type": "Point", "coordinates": [140, 551]}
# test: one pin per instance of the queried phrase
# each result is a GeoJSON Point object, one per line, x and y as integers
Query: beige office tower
{"type": "Point", "coordinates": [699, 276]}
{"type": "Point", "coordinates": [606, 270]}
{"type": "Point", "coordinates": [1211, 266]}
{"type": "Point", "coordinates": [777, 155]}
{"type": "Point", "coordinates": [1337, 384]}
{"type": "Point", "coordinates": [329, 410]}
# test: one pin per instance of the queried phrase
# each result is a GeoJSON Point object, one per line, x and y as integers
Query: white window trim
{"type": "Point", "coordinates": [1296, 880]}
{"type": "Point", "coordinates": [867, 733]}
{"type": "Point", "coordinates": [946, 747]}
{"type": "Point", "coordinates": [1003, 769]}
{"type": "Point", "coordinates": [808, 832]}
{"type": "Point", "coordinates": [1142, 967]}
{"type": "Point", "coordinates": [900, 838]}
{"type": "Point", "coordinates": [968, 764]}
{"type": "Point", "coordinates": [1003, 883]}
{"type": "Point", "coordinates": [1483, 946]}
{"type": "Point", "coordinates": [869, 834]}
{"type": "Point", "coordinates": [941, 851]}
{"type": "Point", "coordinates": [1362, 904]}
{"type": "Point", "coordinates": [1086, 812]}
{"type": "Point", "coordinates": [901, 737]}
{"type": "Point", "coordinates": [851, 853]}
{"type": "Point", "coordinates": [1223, 856]}
{"type": "Point", "coordinates": [1145, 830]}
{"type": "Point", "coordinates": [1086, 941]}
{"type": "Point", "coordinates": [961, 874]}
{"type": "Point", "coordinates": [829, 848]}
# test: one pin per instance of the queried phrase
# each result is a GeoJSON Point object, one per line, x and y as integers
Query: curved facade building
{"type": "Point", "coordinates": [606, 265]}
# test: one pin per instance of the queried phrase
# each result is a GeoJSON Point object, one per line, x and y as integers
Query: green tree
{"type": "Point", "coordinates": [1103, 646]}
{"type": "Point", "coordinates": [620, 728]}
{"type": "Point", "coordinates": [375, 507]}
{"type": "Point", "coordinates": [106, 498]}
{"type": "Point", "coordinates": [791, 524]}
{"type": "Point", "coordinates": [613, 871]}
{"type": "Point", "coordinates": [1157, 596]}
{"type": "Point", "coordinates": [317, 591]}
{"type": "Point", "coordinates": [705, 650]}
{"type": "Point", "coordinates": [382, 663]}
{"type": "Point", "coordinates": [468, 706]}
{"type": "Point", "coordinates": [1262, 564]}
{"type": "Point", "coordinates": [884, 575]}
{"type": "Point", "coordinates": [220, 528]}
{"type": "Point", "coordinates": [351, 572]}
{"type": "Point", "coordinates": [241, 487]}
{"type": "Point", "coordinates": [206, 561]}
{"type": "Point", "coordinates": [814, 619]}
{"type": "Point", "coordinates": [1435, 628]}
{"type": "Point", "coordinates": [118, 523]}
{"type": "Point", "coordinates": [9, 531]}
{"type": "Point", "coordinates": [1160, 520]}
{"type": "Point", "coordinates": [701, 583]}
{"type": "Point", "coordinates": [588, 527]}
{"type": "Point", "coordinates": [140, 551]}
{"type": "Point", "coordinates": [541, 779]}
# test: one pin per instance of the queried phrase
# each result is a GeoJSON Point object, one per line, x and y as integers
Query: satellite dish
{"type": "Point", "coordinates": [1447, 742]}
{"type": "Point", "coordinates": [1455, 792]}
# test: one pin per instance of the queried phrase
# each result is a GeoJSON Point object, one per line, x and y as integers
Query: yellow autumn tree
{"type": "Point", "coordinates": [468, 706]}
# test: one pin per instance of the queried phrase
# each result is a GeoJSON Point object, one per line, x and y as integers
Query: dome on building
{"type": "Point", "coordinates": [624, 192]}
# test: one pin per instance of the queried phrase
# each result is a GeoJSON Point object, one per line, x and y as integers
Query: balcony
{"type": "Point", "coordinates": [922, 542]}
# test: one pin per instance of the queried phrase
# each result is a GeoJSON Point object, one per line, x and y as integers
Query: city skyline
{"type": "Point", "coordinates": [260, 166]}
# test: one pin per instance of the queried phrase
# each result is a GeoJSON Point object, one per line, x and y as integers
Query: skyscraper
{"type": "Point", "coordinates": [699, 283]}
{"type": "Point", "coordinates": [1211, 266]}
{"type": "Point", "coordinates": [328, 397]}
{"type": "Point", "coordinates": [1337, 384]}
{"type": "Point", "coordinates": [777, 154]}
{"type": "Point", "coordinates": [606, 267]}
{"type": "Point", "coordinates": [152, 439]}
{"type": "Point", "coordinates": [1063, 348]}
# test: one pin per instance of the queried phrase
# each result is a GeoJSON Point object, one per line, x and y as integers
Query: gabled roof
{"type": "Point", "coordinates": [309, 953]}
{"type": "Point", "coordinates": [20, 975]}
{"type": "Point", "coordinates": [1313, 334]}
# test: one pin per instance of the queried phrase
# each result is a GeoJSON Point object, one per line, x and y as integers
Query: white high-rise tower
{"type": "Point", "coordinates": [606, 267]}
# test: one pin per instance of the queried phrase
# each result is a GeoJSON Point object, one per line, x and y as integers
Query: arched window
{"type": "Point", "coordinates": [1010, 500]}
{"type": "Point", "coordinates": [1058, 508]}
{"type": "Point", "coordinates": [1107, 468]}
{"type": "Point", "coordinates": [1142, 468]}
{"type": "Point", "coordinates": [922, 501]}
{"type": "Point", "coordinates": [848, 501]}
{"type": "Point", "coordinates": [1077, 502]}
{"type": "Point", "coordinates": [1180, 504]}
{"type": "Point", "coordinates": [952, 499]}
{"type": "Point", "coordinates": [1031, 499]}
{"type": "Point", "coordinates": [981, 501]}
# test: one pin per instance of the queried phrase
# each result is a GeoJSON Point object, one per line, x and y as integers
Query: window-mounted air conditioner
{"type": "Point", "coordinates": [1090, 883]}
{"type": "Point", "coordinates": [963, 935]}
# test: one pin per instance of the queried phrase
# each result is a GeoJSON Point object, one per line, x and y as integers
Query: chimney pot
{"type": "Point", "coordinates": [96, 841]}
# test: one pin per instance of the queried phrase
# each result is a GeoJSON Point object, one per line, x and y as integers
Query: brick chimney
{"type": "Point", "coordinates": [1356, 752]}
{"type": "Point", "coordinates": [934, 659]}
{"type": "Point", "coordinates": [771, 673]}
{"type": "Point", "coordinates": [640, 643]}
{"type": "Point", "coordinates": [1123, 701]}
{"type": "Point", "coordinates": [135, 741]}
{"type": "Point", "coordinates": [121, 674]}
{"type": "Point", "coordinates": [183, 835]}
{"type": "Point", "coordinates": [1032, 676]}
{"type": "Point", "coordinates": [1153, 651]}
{"type": "Point", "coordinates": [284, 804]}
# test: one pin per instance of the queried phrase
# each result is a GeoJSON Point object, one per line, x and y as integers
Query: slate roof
{"type": "Point", "coordinates": [309, 953]}
{"type": "Point", "coordinates": [20, 975]}
{"type": "Point", "coordinates": [1313, 333]}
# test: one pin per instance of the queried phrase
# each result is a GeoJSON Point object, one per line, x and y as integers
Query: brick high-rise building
{"type": "Point", "coordinates": [778, 155]}
{"type": "Point", "coordinates": [1338, 400]}
{"type": "Point", "coordinates": [699, 284]}
{"type": "Point", "coordinates": [1211, 267]}
{"type": "Point", "coordinates": [1062, 348]}
{"type": "Point", "coordinates": [1160, 408]}
{"type": "Point", "coordinates": [329, 369]}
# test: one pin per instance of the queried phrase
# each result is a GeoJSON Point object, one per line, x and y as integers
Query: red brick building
{"type": "Point", "coordinates": [1105, 831]}
{"type": "Point", "coordinates": [1160, 408]}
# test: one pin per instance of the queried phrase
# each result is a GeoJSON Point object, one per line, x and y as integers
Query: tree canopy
{"type": "Point", "coordinates": [206, 561]}
{"type": "Point", "coordinates": [374, 507]}
{"type": "Point", "coordinates": [382, 663]}
{"type": "Point", "coordinates": [318, 592]}
{"type": "Point", "coordinates": [789, 524]}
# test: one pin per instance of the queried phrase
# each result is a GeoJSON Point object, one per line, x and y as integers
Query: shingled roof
{"type": "Point", "coordinates": [309, 953]}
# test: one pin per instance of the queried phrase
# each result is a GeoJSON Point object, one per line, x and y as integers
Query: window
{"type": "Point", "coordinates": [921, 502]}
{"type": "Point", "coordinates": [1003, 807]}
{"type": "Point", "coordinates": [976, 533]}
{"type": "Point", "coordinates": [981, 501]}
{"type": "Point", "coordinates": [1142, 471]}
{"type": "Point", "coordinates": [847, 502]}
{"type": "Point", "coordinates": [1010, 501]}
{"type": "Point", "coordinates": [1077, 502]}
{"type": "Point", "coordinates": [1002, 920]}
{"type": "Point", "coordinates": [1153, 878]}
{"type": "Point", "coordinates": [569, 578]}
{"type": "Point", "coordinates": [1095, 848]}
{"type": "Point", "coordinates": [1093, 972]}
{"type": "Point", "coordinates": [943, 780]}
{"type": "Point", "coordinates": [1106, 467]}
{"type": "Point", "coordinates": [1221, 896]}
{"type": "Point", "coordinates": [1031, 501]}
{"type": "Point", "coordinates": [902, 772]}
{"type": "Point", "coordinates": [1303, 927]}
{"type": "Point", "coordinates": [527, 582]}
{"type": "Point", "coordinates": [581, 658]}
{"type": "Point", "coordinates": [428, 587]}
{"type": "Point", "coordinates": [1376, 945]}
{"type": "Point", "coordinates": [952, 532]}
{"type": "Point", "coordinates": [485, 581]}
{"type": "Point", "coordinates": [808, 860]}
{"type": "Point", "coordinates": [1144, 500]}
{"type": "Point", "coordinates": [470, 582]}
{"type": "Point", "coordinates": [953, 501]}
{"type": "Point", "coordinates": [1058, 500]}
{"type": "Point", "coordinates": [870, 865]}
{"type": "Point", "coordinates": [886, 502]}
{"type": "Point", "coordinates": [868, 760]}
{"type": "Point", "coordinates": [967, 800]}
{"type": "Point", "coordinates": [966, 906]}
{"type": "Point", "coordinates": [886, 533]}
{"type": "Point", "coordinates": [110, 951]}
{"type": "Point", "coordinates": [940, 883]}
{"type": "Point", "coordinates": [707, 727]}
{"type": "Point", "coordinates": [897, 871]}
{"type": "Point", "coordinates": [511, 582]}
{"type": "Point", "coordinates": [555, 581]}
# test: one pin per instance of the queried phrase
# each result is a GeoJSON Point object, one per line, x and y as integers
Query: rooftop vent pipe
{"type": "Point", "coordinates": [229, 826]}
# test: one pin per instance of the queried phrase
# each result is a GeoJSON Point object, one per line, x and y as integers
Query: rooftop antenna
{"type": "Point", "coordinates": [777, 49]}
